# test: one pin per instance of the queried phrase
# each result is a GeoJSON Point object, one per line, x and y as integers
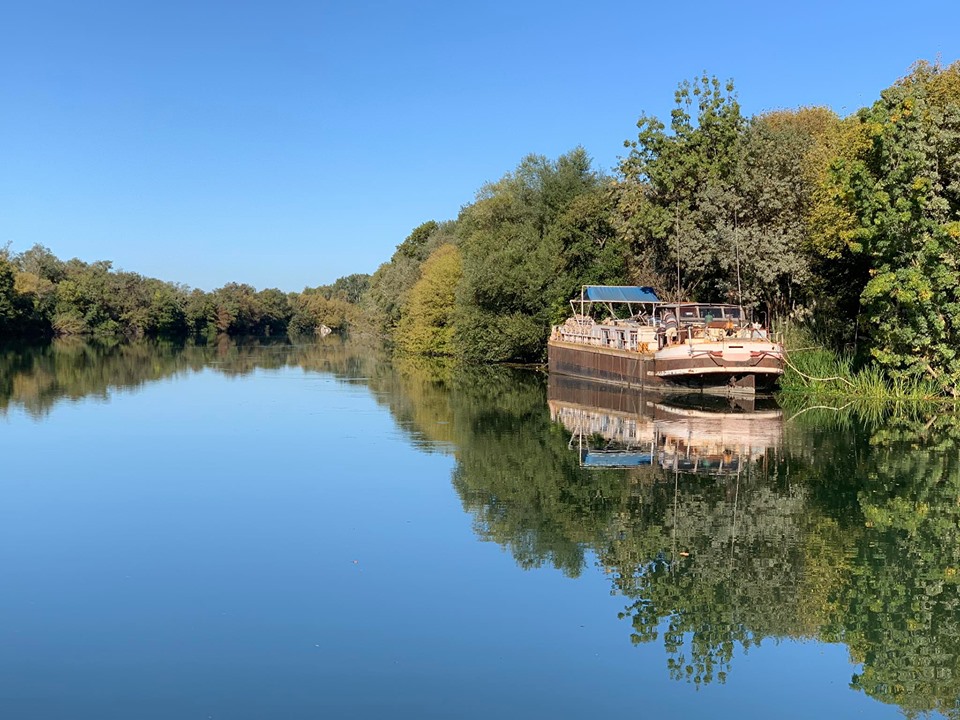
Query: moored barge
{"type": "Point", "coordinates": [649, 343]}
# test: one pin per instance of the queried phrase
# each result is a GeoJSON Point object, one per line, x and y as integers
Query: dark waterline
{"type": "Point", "coordinates": [313, 531]}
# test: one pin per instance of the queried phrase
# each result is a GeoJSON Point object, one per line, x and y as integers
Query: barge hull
{"type": "Point", "coordinates": [760, 375]}
{"type": "Point", "coordinates": [608, 365]}
{"type": "Point", "coordinates": [636, 370]}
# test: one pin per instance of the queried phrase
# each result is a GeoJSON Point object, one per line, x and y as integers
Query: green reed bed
{"type": "Point", "coordinates": [814, 373]}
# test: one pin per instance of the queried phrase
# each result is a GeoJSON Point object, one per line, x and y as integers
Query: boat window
{"type": "Point", "coordinates": [694, 313]}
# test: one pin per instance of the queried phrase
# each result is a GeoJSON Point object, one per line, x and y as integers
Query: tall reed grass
{"type": "Point", "coordinates": [815, 373]}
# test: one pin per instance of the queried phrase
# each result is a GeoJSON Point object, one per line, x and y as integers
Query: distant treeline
{"type": "Point", "coordinates": [850, 226]}
{"type": "Point", "coordinates": [43, 296]}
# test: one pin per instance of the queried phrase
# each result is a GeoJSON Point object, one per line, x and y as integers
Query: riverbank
{"type": "Point", "coordinates": [814, 373]}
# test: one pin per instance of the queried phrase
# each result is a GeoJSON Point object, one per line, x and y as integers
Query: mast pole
{"type": "Point", "coordinates": [736, 245]}
{"type": "Point", "coordinates": [676, 230]}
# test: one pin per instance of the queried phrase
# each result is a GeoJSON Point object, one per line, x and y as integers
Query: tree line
{"type": "Point", "coordinates": [44, 296]}
{"type": "Point", "coordinates": [849, 226]}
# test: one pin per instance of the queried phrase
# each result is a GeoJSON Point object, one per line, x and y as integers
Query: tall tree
{"type": "Point", "coordinates": [510, 257]}
{"type": "Point", "coordinates": [8, 305]}
{"type": "Point", "coordinates": [761, 243]}
{"type": "Point", "coordinates": [908, 202]}
{"type": "Point", "coordinates": [390, 285]}
{"type": "Point", "coordinates": [677, 183]}
{"type": "Point", "coordinates": [426, 326]}
{"type": "Point", "coordinates": [591, 249]}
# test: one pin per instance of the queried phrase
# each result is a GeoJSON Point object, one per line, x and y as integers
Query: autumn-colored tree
{"type": "Point", "coordinates": [427, 325]}
{"type": "Point", "coordinates": [389, 287]}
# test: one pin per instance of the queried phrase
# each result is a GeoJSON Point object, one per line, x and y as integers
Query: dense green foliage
{"type": "Point", "coordinates": [817, 374]}
{"type": "Point", "coordinates": [525, 246]}
{"type": "Point", "coordinates": [849, 226]}
{"type": "Point", "coordinates": [427, 325]}
{"type": "Point", "coordinates": [42, 296]}
{"type": "Point", "coordinates": [909, 200]}
{"type": "Point", "coordinates": [510, 257]}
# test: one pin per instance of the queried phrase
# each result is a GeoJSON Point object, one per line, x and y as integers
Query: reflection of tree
{"type": "Point", "coordinates": [850, 532]}
{"type": "Point", "coordinates": [37, 377]}
{"type": "Point", "coordinates": [719, 563]}
{"type": "Point", "coordinates": [902, 604]}
{"type": "Point", "coordinates": [515, 472]}
{"type": "Point", "coordinates": [518, 477]}
{"type": "Point", "coordinates": [797, 546]}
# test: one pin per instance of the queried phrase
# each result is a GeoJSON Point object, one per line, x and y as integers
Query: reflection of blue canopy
{"type": "Point", "coordinates": [616, 459]}
{"type": "Point", "coordinates": [620, 293]}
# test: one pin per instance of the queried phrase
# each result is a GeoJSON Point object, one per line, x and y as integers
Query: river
{"type": "Point", "coordinates": [251, 531]}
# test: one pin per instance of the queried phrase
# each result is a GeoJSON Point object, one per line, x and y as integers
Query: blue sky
{"type": "Point", "coordinates": [285, 144]}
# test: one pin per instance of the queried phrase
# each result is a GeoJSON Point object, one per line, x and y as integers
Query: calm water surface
{"type": "Point", "coordinates": [313, 532]}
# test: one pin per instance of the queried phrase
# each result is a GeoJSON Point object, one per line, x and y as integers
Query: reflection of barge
{"type": "Point", "coordinates": [701, 345]}
{"type": "Point", "coordinates": [616, 427]}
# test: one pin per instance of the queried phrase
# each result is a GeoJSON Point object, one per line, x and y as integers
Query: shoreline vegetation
{"type": "Point", "coordinates": [844, 229]}
{"type": "Point", "coordinates": [828, 388]}
{"type": "Point", "coordinates": [819, 373]}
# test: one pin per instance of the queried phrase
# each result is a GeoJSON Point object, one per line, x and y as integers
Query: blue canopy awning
{"type": "Point", "coordinates": [616, 459]}
{"type": "Point", "coordinates": [620, 293]}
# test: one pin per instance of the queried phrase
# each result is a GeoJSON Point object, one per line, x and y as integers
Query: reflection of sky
{"type": "Point", "coordinates": [273, 546]}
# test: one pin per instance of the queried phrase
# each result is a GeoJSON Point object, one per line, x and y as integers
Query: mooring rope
{"type": "Point", "coordinates": [811, 377]}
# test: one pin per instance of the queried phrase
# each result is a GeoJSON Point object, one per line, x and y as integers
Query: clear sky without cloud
{"type": "Point", "coordinates": [285, 144]}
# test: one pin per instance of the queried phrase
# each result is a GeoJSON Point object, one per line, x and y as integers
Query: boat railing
{"type": "Point", "coordinates": [633, 334]}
